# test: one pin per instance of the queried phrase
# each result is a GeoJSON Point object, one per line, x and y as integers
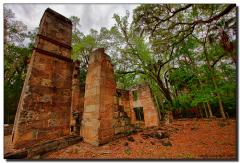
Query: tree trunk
{"type": "Point", "coordinates": [164, 90]}
{"type": "Point", "coordinates": [221, 109]}
{"type": "Point", "coordinates": [200, 83]}
{"type": "Point", "coordinates": [5, 33]}
{"type": "Point", "coordinates": [200, 110]}
{"type": "Point", "coordinates": [205, 110]}
{"type": "Point", "coordinates": [209, 110]}
{"type": "Point", "coordinates": [158, 108]}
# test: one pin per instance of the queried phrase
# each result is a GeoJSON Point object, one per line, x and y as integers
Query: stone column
{"type": "Point", "coordinates": [44, 108]}
{"type": "Point", "coordinates": [75, 104]}
{"type": "Point", "coordinates": [100, 89]}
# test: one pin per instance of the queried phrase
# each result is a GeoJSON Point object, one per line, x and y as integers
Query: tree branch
{"type": "Point", "coordinates": [174, 13]}
{"type": "Point", "coordinates": [219, 58]}
{"type": "Point", "coordinates": [216, 17]}
{"type": "Point", "coordinates": [130, 72]}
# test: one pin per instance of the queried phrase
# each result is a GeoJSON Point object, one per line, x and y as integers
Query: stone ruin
{"type": "Point", "coordinates": [53, 106]}
{"type": "Point", "coordinates": [44, 108]}
{"type": "Point", "coordinates": [100, 88]}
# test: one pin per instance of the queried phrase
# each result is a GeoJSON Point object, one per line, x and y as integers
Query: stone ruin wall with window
{"type": "Point", "coordinates": [134, 108]}
{"type": "Point", "coordinates": [53, 105]}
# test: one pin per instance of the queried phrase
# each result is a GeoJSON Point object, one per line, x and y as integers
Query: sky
{"type": "Point", "coordinates": [91, 15]}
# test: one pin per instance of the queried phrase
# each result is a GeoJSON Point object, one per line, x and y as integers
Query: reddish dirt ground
{"type": "Point", "coordinates": [190, 138]}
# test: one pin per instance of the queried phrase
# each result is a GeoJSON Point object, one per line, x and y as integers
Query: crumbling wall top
{"type": "Point", "coordinates": [140, 86]}
{"type": "Point", "coordinates": [99, 55]}
{"type": "Point", "coordinates": [57, 15]}
{"type": "Point", "coordinates": [56, 29]}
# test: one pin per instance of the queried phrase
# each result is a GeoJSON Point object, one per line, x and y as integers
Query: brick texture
{"type": "Point", "coordinates": [146, 101]}
{"type": "Point", "coordinates": [44, 108]}
{"type": "Point", "coordinates": [100, 89]}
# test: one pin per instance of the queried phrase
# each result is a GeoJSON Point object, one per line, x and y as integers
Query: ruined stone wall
{"type": "Point", "coordinates": [44, 108]}
{"type": "Point", "coordinates": [131, 104]}
{"type": "Point", "coordinates": [100, 89]}
{"type": "Point", "coordinates": [75, 103]}
{"type": "Point", "coordinates": [124, 114]}
{"type": "Point", "coordinates": [121, 115]}
{"type": "Point", "coordinates": [121, 121]}
{"type": "Point", "coordinates": [146, 101]}
{"type": "Point", "coordinates": [81, 100]}
{"type": "Point", "coordinates": [123, 100]}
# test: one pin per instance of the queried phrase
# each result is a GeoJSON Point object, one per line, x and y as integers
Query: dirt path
{"type": "Point", "coordinates": [190, 139]}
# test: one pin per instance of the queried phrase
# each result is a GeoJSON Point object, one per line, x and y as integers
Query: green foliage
{"type": "Point", "coordinates": [15, 67]}
{"type": "Point", "coordinates": [202, 96]}
{"type": "Point", "coordinates": [214, 51]}
{"type": "Point", "coordinates": [85, 45]}
{"type": "Point", "coordinates": [142, 50]}
{"type": "Point", "coordinates": [12, 94]}
{"type": "Point", "coordinates": [182, 101]}
{"type": "Point", "coordinates": [16, 57]}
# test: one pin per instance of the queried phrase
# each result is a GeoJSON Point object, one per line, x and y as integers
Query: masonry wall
{"type": "Point", "coordinates": [100, 89]}
{"type": "Point", "coordinates": [75, 102]}
{"type": "Point", "coordinates": [146, 101]}
{"type": "Point", "coordinates": [124, 115]}
{"type": "Point", "coordinates": [81, 100]}
{"type": "Point", "coordinates": [121, 121]}
{"type": "Point", "coordinates": [121, 115]}
{"type": "Point", "coordinates": [44, 108]}
{"type": "Point", "coordinates": [123, 100]}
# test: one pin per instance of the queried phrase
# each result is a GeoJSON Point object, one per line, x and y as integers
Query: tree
{"type": "Point", "coordinates": [16, 56]}
{"type": "Point", "coordinates": [159, 31]}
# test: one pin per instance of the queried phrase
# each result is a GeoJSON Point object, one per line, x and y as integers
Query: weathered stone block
{"type": "Point", "coordinates": [99, 99]}
{"type": "Point", "coordinates": [92, 108]}
{"type": "Point", "coordinates": [44, 108]}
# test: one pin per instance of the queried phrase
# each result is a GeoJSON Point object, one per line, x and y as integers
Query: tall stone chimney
{"type": "Point", "coordinates": [100, 88]}
{"type": "Point", "coordinates": [44, 108]}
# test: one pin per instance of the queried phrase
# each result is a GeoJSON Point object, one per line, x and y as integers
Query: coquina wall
{"type": "Point", "coordinates": [44, 108]}
{"type": "Point", "coordinates": [100, 89]}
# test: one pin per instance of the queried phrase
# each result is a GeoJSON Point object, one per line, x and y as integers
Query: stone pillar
{"type": "Point", "coordinates": [44, 109]}
{"type": "Point", "coordinates": [75, 107]}
{"type": "Point", "coordinates": [75, 104]}
{"type": "Point", "coordinates": [100, 89]}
